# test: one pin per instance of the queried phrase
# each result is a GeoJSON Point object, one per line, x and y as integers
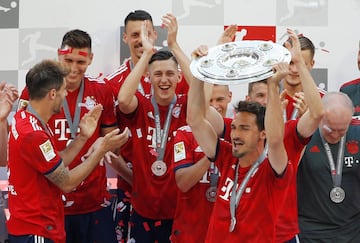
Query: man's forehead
{"type": "Point", "coordinates": [66, 50]}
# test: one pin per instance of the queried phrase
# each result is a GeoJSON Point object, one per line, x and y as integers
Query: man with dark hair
{"type": "Point", "coordinates": [153, 123]}
{"type": "Point", "coordinates": [292, 86]}
{"type": "Point", "coordinates": [90, 202]}
{"type": "Point", "coordinates": [40, 174]}
{"type": "Point", "coordinates": [132, 38]}
{"type": "Point", "coordinates": [257, 91]}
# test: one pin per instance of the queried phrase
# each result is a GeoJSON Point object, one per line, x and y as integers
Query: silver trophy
{"type": "Point", "coordinates": [239, 62]}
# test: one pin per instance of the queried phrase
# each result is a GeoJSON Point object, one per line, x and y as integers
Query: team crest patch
{"type": "Point", "coordinates": [47, 150]}
{"type": "Point", "coordinates": [176, 111]}
{"type": "Point", "coordinates": [90, 103]}
{"type": "Point", "coordinates": [179, 151]}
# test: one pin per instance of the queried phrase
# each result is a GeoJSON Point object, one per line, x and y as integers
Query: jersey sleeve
{"type": "Point", "coordinates": [42, 149]}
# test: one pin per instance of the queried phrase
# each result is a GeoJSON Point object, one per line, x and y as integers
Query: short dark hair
{"type": "Point", "coordinates": [254, 108]}
{"type": "Point", "coordinates": [305, 44]}
{"type": "Point", "coordinates": [162, 55]}
{"type": "Point", "coordinates": [251, 85]}
{"type": "Point", "coordinates": [44, 76]}
{"type": "Point", "coordinates": [77, 39]}
{"type": "Point", "coordinates": [138, 15]}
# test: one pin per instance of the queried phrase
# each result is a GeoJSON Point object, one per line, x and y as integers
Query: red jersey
{"type": "Point", "coordinates": [34, 202]}
{"type": "Point", "coordinates": [193, 210]}
{"type": "Point", "coordinates": [227, 129]}
{"type": "Point", "coordinates": [115, 80]}
{"type": "Point", "coordinates": [92, 193]}
{"type": "Point", "coordinates": [153, 196]}
{"type": "Point", "coordinates": [287, 225]}
{"type": "Point", "coordinates": [291, 113]}
{"type": "Point", "coordinates": [259, 206]}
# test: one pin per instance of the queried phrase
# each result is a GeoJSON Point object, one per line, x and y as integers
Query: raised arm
{"type": "Point", "coordinates": [274, 123]}
{"type": "Point", "coordinates": [8, 95]}
{"type": "Point", "coordinates": [170, 22]}
{"type": "Point", "coordinates": [203, 131]}
{"type": "Point", "coordinates": [309, 121]}
{"type": "Point", "coordinates": [126, 97]}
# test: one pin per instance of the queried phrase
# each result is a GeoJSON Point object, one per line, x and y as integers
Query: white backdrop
{"type": "Point", "coordinates": [31, 30]}
{"type": "Point", "coordinates": [331, 24]}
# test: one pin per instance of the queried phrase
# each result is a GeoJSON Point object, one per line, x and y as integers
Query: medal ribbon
{"type": "Point", "coordinates": [73, 124]}
{"type": "Point", "coordinates": [214, 175]}
{"type": "Point", "coordinates": [336, 173]}
{"type": "Point", "coordinates": [161, 140]}
{"type": "Point", "coordinates": [293, 114]}
{"type": "Point", "coordinates": [235, 196]}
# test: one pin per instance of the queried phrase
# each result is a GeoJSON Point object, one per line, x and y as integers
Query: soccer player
{"type": "Point", "coordinates": [39, 174]}
{"type": "Point", "coordinates": [90, 202]}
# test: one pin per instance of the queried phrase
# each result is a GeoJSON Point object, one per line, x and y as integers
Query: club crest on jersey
{"type": "Point", "coordinates": [179, 151]}
{"type": "Point", "coordinates": [90, 103]}
{"type": "Point", "coordinates": [176, 111]}
{"type": "Point", "coordinates": [47, 150]}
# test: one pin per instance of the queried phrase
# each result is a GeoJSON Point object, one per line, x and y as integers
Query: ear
{"type": "Point", "coordinates": [263, 135]}
{"type": "Point", "coordinates": [124, 37]}
{"type": "Point", "coordinates": [52, 94]}
{"type": "Point", "coordinates": [312, 63]}
{"type": "Point", "coordinates": [180, 75]}
{"type": "Point", "coordinates": [91, 56]}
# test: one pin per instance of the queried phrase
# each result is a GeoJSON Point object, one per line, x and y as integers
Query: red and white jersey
{"type": "Point", "coordinates": [117, 78]}
{"type": "Point", "coordinates": [189, 226]}
{"type": "Point", "coordinates": [287, 225]}
{"type": "Point", "coordinates": [290, 108]}
{"type": "Point", "coordinates": [259, 206]}
{"type": "Point", "coordinates": [153, 196]}
{"type": "Point", "coordinates": [34, 202]}
{"type": "Point", "coordinates": [92, 193]}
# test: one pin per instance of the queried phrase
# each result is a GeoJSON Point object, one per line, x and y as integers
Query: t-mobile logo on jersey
{"type": "Point", "coordinates": [349, 161]}
{"type": "Point", "coordinates": [62, 130]}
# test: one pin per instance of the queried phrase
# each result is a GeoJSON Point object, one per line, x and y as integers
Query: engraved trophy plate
{"type": "Point", "coordinates": [337, 194]}
{"type": "Point", "coordinates": [211, 194]}
{"type": "Point", "coordinates": [159, 168]}
{"type": "Point", "coordinates": [239, 62]}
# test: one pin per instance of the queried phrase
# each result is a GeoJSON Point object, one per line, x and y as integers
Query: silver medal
{"type": "Point", "coordinates": [337, 194]}
{"type": "Point", "coordinates": [159, 168]}
{"type": "Point", "coordinates": [211, 194]}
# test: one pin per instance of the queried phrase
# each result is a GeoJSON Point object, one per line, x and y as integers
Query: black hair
{"type": "Point", "coordinates": [76, 39]}
{"type": "Point", "coordinates": [162, 55]}
{"type": "Point", "coordinates": [254, 108]}
{"type": "Point", "coordinates": [138, 15]}
{"type": "Point", "coordinates": [44, 76]}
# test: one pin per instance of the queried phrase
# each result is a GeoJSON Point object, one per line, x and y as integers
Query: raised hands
{"type": "Point", "coordinates": [169, 21]}
{"type": "Point", "coordinates": [228, 35]}
{"type": "Point", "coordinates": [293, 45]}
{"type": "Point", "coordinates": [146, 39]}
{"type": "Point", "coordinates": [8, 95]}
{"type": "Point", "coordinates": [89, 121]}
